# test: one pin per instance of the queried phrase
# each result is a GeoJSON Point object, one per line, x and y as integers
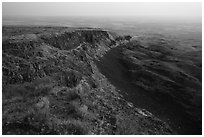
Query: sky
{"type": "Point", "coordinates": [186, 10]}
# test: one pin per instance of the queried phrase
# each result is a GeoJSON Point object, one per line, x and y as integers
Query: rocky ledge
{"type": "Point", "coordinates": [51, 85]}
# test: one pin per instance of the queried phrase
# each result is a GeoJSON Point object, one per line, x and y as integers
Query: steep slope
{"type": "Point", "coordinates": [51, 85]}
{"type": "Point", "coordinates": [160, 75]}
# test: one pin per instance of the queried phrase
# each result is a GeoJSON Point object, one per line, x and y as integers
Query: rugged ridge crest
{"type": "Point", "coordinates": [51, 85]}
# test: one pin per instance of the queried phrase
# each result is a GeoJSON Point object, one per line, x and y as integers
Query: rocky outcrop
{"type": "Point", "coordinates": [51, 85]}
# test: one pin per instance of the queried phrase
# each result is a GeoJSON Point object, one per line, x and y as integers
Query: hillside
{"type": "Point", "coordinates": [161, 75]}
{"type": "Point", "coordinates": [51, 85]}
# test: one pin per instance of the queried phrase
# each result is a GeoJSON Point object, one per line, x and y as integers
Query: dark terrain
{"type": "Point", "coordinates": [160, 75]}
{"type": "Point", "coordinates": [51, 84]}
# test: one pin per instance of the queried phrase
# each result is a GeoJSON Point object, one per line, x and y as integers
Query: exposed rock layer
{"type": "Point", "coordinates": [51, 85]}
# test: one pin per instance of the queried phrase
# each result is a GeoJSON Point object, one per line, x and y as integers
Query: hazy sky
{"type": "Point", "coordinates": [103, 9]}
